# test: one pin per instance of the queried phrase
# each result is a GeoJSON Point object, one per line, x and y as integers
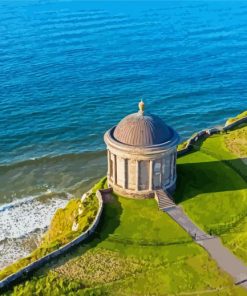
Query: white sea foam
{"type": "Point", "coordinates": [27, 215]}
{"type": "Point", "coordinates": [17, 202]}
{"type": "Point", "coordinates": [21, 220]}
{"type": "Point", "coordinates": [14, 249]}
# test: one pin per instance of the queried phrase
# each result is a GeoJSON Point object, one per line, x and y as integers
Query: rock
{"type": "Point", "coordinates": [75, 226]}
{"type": "Point", "coordinates": [84, 196]}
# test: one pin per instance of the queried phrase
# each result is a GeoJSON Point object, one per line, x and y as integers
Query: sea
{"type": "Point", "coordinates": [70, 70]}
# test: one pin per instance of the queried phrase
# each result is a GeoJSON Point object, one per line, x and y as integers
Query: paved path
{"type": "Point", "coordinates": [223, 256]}
{"type": "Point", "coordinates": [244, 160]}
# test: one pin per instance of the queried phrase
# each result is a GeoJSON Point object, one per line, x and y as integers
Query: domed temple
{"type": "Point", "coordinates": [141, 153]}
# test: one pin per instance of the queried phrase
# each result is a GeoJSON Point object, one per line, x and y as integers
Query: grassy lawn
{"type": "Point", "coordinates": [236, 141]}
{"type": "Point", "coordinates": [212, 188]}
{"type": "Point", "coordinates": [137, 250]}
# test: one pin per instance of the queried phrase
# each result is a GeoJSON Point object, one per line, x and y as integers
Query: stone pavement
{"type": "Point", "coordinates": [222, 255]}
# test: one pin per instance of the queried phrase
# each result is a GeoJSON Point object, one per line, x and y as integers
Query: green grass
{"type": "Point", "coordinates": [212, 189]}
{"type": "Point", "coordinates": [100, 185]}
{"type": "Point", "coordinates": [80, 213]}
{"type": "Point", "coordinates": [239, 116]}
{"type": "Point", "coordinates": [182, 145]}
{"type": "Point", "coordinates": [236, 142]}
{"type": "Point", "coordinates": [60, 231]}
{"type": "Point", "coordinates": [207, 184]}
{"type": "Point", "coordinates": [236, 240]}
{"type": "Point", "coordinates": [137, 250]}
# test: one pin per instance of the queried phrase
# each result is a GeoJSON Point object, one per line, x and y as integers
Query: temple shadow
{"type": "Point", "coordinates": [209, 177]}
{"type": "Point", "coordinates": [109, 221]}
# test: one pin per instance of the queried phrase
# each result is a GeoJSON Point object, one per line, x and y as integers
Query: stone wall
{"type": "Point", "coordinates": [62, 250]}
{"type": "Point", "coordinates": [235, 123]}
{"type": "Point", "coordinates": [208, 132]}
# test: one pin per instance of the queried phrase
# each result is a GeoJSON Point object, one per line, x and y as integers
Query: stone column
{"type": "Point", "coordinates": [167, 169]}
{"type": "Point", "coordinates": [109, 164]}
{"type": "Point", "coordinates": [151, 175]}
{"type": "Point", "coordinates": [137, 175]}
{"type": "Point", "coordinates": [124, 174]}
{"type": "Point", "coordinates": [175, 164]}
{"type": "Point", "coordinates": [161, 172]}
{"type": "Point", "coordinates": [171, 168]}
{"type": "Point", "coordinates": [114, 173]}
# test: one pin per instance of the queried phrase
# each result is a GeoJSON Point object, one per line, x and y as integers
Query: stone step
{"type": "Point", "coordinates": [165, 204]}
{"type": "Point", "coordinates": [163, 193]}
{"type": "Point", "coordinates": [164, 199]}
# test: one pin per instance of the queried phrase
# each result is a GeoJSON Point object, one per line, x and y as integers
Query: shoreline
{"type": "Point", "coordinates": [194, 138]}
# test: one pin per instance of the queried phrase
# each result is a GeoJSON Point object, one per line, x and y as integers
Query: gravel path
{"type": "Point", "coordinates": [222, 255]}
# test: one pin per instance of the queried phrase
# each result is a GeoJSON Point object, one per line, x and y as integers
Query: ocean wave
{"type": "Point", "coordinates": [29, 199]}
{"type": "Point", "coordinates": [23, 217]}
{"type": "Point", "coordinates": [69, 15]}
{"type": "Point", "coordinates": [78, 22]}
{"type": "Point", "coordinates": [51, 158]}
{"type": "Point", "coordinates": [16, 203]}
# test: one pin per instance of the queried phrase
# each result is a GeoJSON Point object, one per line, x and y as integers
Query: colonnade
{"type": "Point", "coordinates": [142, 174]}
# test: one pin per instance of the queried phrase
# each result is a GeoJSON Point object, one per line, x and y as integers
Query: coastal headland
{"type": "Point", "coordinates": [138, 249]}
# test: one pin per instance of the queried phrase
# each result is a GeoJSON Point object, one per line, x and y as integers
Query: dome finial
{"type": "Point", "coordinates": [141, 106]}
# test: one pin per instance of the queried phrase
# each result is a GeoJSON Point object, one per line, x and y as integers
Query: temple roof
{"type": "Point", "coordinates": [145, 130]}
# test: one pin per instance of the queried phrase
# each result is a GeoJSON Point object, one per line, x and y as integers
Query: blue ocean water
{"type": "Point", "coordinates": [69, 70]}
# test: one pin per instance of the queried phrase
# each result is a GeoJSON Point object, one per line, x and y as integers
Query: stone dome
{"type": "Point", "coordinates": [145, 130]}
{"type": "Point", "coordinates": [141, 155]}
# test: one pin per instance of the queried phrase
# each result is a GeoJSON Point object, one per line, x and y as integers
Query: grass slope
{"type": "Point", "coordinates": [212, 188]}
{"type": "Point", "coordinates": [138, 250]}
{"type": "Point", "coordinates": [236, 141]}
